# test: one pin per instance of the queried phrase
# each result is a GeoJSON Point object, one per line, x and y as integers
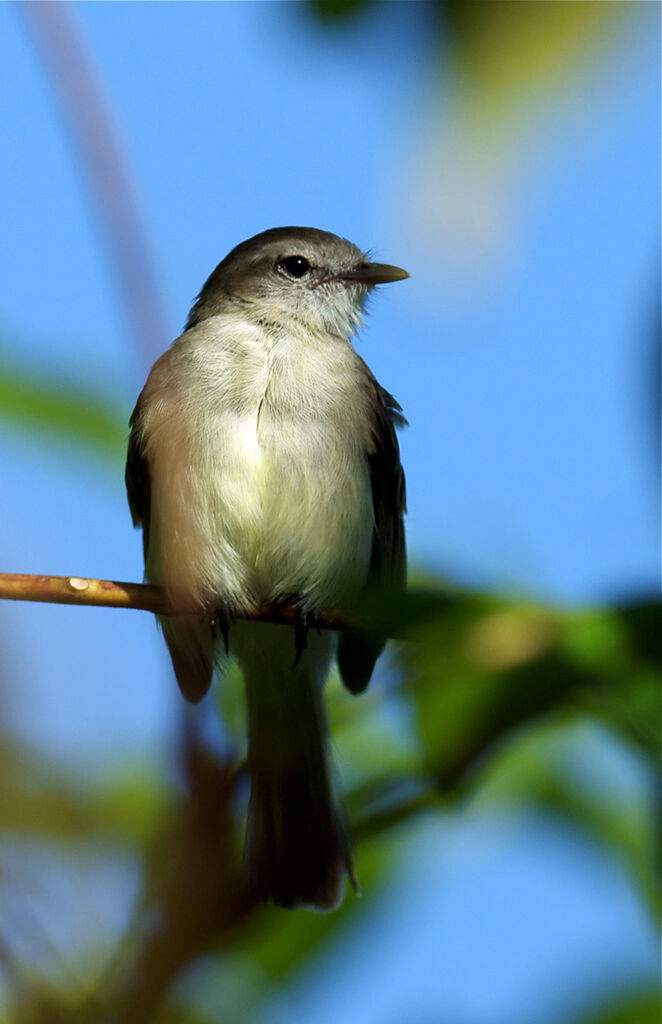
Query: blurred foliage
{"type": "Point", "coordinates": [495, 699]}
{"type": "Point", "coordinates": [505, 48]}
{"type": "Point", "coordinates": [634, 1008]}
{"type": "Point", "coordinates": [35, 801]}
{"type": "Point", "coordinates": [499, 695]}
{"type": "Point", "coordinates": [508, 47]}
{"type": "Point", "coordinates": [339, 10]}
{"type": "Point", "coordinates": [34, 400]}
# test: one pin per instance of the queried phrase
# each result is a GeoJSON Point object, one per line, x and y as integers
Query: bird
{"type": "Point", "coordinates": [263, 466]}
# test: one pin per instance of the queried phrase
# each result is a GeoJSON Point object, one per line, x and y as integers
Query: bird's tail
{"type": "Point", "coordinates": [297, 845]}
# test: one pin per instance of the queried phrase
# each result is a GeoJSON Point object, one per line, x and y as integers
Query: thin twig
{"type": "Point", "coordinates": [145, 597]}
{"type": "Point", "coordinates": [82, 591]}
{"type": "Point", "coordinates": [92, 125]}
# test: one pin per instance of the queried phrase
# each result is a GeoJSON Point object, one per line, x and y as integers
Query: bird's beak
{"type": "Point", "coordinates": [373, 273]}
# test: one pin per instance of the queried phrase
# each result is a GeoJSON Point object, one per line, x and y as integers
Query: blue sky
{"type": "Point", "coordinates": [522, 353]}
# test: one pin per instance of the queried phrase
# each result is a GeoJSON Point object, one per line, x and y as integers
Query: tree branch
{"type": "Point", "coordinates": [93, 130]}
{"type": "Point", "coordinates": [79, 590]}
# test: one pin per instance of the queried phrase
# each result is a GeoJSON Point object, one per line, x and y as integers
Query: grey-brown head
{"type": "Point", "coordinates": [300, 274]}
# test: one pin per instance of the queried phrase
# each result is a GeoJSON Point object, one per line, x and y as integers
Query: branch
{"type": "Point", "coordinates": [93, 131]}
{"type": "Point", "coordinates": [146, 597]}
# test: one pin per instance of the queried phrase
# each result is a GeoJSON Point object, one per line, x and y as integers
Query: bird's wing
{"type": "Point", "coordinates": [137, 478]}
{"type": "Point", "coordinates": [358, 651]}
{"type": "Point", "coordinates": [188, 637]}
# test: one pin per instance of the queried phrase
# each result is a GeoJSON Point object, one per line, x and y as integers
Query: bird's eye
{"type": "Point", "coordinates": [295, 266]}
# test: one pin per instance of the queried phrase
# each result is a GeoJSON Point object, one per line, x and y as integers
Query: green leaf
{"type": "Point", "coordinates": [62, 411]}
{"type": "Point", "coordinates": [511, 51]}
{"type": "Point", "coordinates": [641, 1007]}
{"type": "Point", "coordinates": [478, 672]}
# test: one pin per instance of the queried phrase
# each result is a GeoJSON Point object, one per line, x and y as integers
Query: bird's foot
{"type": "Point", "coordinates": [302, 623]}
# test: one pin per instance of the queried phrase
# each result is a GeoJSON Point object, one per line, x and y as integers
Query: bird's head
{"type": "Point", "coordinates": [299, 276]}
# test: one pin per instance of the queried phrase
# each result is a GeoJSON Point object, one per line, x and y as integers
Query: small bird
{"type": "Point", "coordinates": [263, 465]}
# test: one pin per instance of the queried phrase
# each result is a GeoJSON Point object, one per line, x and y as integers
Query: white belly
{"type": "Point", "coordinates": [295, 510]}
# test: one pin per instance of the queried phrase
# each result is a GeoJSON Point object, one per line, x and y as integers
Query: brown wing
{"type": "Point", "coordinates": [188, 638]}
{"type": "Point", "coordinates": [358, 651]}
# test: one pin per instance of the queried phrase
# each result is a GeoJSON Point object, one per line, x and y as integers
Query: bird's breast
{"type": "Point", "coordinates": [268, 491]}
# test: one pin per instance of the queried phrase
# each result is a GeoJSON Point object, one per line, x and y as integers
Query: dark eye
{"type": "Point", "coordinates": [295, 266]}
